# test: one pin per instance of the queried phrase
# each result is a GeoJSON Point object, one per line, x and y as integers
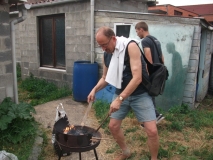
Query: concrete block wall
{"type": "Point", "coordinates": [77, 41]}
{"type": "Point", "coordinates": [77, 36]}
{"type": "Point", "coordinates": [109, 18]}
{"type": "Point", "coordinates": [130, 5]}
{"type": "Point", "coordinates": [6, 68]}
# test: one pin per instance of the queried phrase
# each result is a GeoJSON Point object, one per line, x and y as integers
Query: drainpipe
{"type": "Point", "coordinates": [92, 2]}
{"type": "Point", "coordinates": [12, 30]}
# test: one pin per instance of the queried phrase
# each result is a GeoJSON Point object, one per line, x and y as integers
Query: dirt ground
{"type": "Point", "coordinates": [45, 115]}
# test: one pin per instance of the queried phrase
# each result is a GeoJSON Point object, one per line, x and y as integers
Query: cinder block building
{"type": "Point", "coordinates": [56, 34]}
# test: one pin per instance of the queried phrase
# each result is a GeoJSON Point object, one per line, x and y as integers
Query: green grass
{"type": "Point", "coordinates": [181, 128]}
{"type": "Point", "coordinates": [182, 117]}
{"type": "Point", "coordinates": [38, 91]}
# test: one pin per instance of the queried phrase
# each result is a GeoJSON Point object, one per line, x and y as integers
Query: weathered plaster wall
{"type": "Point", "coordinates": [109, 18]}
{"type": "Point", "coordinates": [6, 69]}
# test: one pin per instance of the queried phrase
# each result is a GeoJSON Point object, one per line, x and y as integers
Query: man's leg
{"type": "Point", "coordinates": [153, 139]}
{"type": "Point", "coordinates": [117, 133]}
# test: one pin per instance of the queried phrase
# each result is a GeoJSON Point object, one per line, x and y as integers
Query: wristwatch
{"type": "Point", "coordinates": [120, 98]}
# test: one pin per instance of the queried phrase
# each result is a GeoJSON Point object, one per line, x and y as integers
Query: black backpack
{"type": "Point", "coordinates": [158, 74]}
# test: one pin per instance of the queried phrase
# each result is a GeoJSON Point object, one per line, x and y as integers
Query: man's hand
{"type": "Point", "coordinates": [91, 96]}
{"type": "Point", "coordinates": [115, 106]}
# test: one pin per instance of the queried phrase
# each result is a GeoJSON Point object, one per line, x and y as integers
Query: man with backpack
{"type": "Point", "coordinates": [152, 51]}
{"type": "Point", "coordinates": [123, 67]}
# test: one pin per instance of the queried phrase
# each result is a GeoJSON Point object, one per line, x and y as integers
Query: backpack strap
{"type": "Point", "coordinates": [159, 55]}
{"type": "Point", "coordinates": [146, 82]}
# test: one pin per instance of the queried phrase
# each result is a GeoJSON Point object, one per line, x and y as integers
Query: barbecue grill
{"type": "Point", "coordinates": [76, 139]}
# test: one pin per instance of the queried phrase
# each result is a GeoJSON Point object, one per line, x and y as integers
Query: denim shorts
{"type": "Point", "coordinates": [142, 106]}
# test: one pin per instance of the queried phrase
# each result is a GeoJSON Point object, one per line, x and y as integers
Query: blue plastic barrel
{"type": "Point", "coordinates": [85, 77]}
{"type": "Point", "coordinates": [106, 94]}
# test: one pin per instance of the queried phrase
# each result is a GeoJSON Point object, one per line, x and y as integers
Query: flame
{"type": "Point", "coordinates": [67, 129]}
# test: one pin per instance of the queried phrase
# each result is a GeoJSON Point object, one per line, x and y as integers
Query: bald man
{"type": "Point", "coordinates": [123, 66]}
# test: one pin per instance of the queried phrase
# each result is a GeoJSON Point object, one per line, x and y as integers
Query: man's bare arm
{"type": "Point", "coordinates": [136, 68]}
{"type": "Point", "coordinates": [148, 54]}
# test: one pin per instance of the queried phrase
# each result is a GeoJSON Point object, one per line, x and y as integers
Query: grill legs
{"type": "Point", "coordinates": [79, 155]}
{"type": "Point", "coordinates": [95, 154]}
{"type": "Point", "coordinates": [60, 155]}
{"type": "Point", "coordinates": [96, 157]}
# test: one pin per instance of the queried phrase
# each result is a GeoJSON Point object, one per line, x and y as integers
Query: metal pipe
{"type": "Point", "coordinates": [12, 29]}
{"type": "Point", "coordinates": [92, 30]}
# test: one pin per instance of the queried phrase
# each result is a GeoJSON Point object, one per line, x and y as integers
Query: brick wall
{"type": "Point", "coordinates": [169, 9]}
{"type": "Point", "coordinates": [6, 76]}
{"type": "Point", "coordinates": [185, 13]}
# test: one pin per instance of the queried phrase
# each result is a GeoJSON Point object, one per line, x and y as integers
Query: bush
{"type": "Point", "coordinates": [16, 121]}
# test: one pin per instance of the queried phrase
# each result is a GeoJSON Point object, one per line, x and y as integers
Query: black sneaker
{"type": "Point", "coordinates": [159, 118]}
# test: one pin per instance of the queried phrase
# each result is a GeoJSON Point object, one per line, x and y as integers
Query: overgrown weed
{"type": "Point", "coordinates": [38, 91]}
{"type": "Point", "coordinates": [17, 128]}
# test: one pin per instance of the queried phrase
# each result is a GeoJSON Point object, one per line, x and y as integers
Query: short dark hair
{"type": "Point", "coordinates": [108, 32]}
{"type": "Point", "coordinates": [142, 25]}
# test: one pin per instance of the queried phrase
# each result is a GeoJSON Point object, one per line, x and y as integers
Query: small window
{"type": "Point", "coordinates": [177, 12]}
{"type": "Point", "coordinates": [52, 41]}
{"type": "Point", "coordinates": [122, 29]}
{"type": "Point", "coordinates": [191, 15]}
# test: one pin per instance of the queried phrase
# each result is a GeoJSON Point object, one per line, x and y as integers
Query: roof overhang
{"type": "Point", "coordinates": [16, 1]}
{"type": "Point", "coordinates": [157, 11]}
